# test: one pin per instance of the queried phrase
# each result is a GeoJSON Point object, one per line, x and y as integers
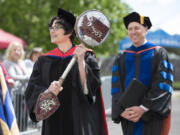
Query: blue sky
{"type": "Point", "coordinates": [164, 14]}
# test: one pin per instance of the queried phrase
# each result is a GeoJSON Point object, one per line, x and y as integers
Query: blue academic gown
{"type": "Point", "coordinates": [150, 65]}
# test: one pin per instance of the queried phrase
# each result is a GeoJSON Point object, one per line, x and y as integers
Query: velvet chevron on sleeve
{"type": "Point", "coordinates": [159, 95]}
{"type": "Point", "coordinates": [117, 88]}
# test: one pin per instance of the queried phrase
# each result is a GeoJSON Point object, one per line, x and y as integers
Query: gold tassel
{"type": "Point", "coordinates": [141, 19]}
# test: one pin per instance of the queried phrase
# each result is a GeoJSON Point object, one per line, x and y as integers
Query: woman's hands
{"type": "Point", "coordinates": [10, 82]}
{"type": "Point", "coordinates": [55, 88]}
{"type": "Point", "coordinates": [80, 52]}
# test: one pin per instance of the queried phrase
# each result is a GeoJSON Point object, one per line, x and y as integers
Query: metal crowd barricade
{"type": "Point", "coordinates": [18, 100]}
{"type": "Point", "coordinates": [106, 87]}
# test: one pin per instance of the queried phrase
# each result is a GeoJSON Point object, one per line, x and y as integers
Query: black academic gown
{"type": "Point", "coordinates": [78, 114]}
{"type": "Point", "coordinates": [151, 66]}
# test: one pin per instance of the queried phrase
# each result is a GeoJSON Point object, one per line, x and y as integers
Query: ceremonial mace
{"type": "Point", "coordinates": [92, 28]}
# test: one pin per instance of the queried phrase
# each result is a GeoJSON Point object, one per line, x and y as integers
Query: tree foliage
{"type": "Point", "coordinates": [28, 19]}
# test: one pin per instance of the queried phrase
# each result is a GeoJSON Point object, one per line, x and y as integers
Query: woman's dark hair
{"type": "Point", "coordinates": [34, 51]}
{"type": "Point", "coordinates": [68, 28]}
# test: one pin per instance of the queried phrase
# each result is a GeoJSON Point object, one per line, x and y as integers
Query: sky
{"type": "Point", "coordinates": [164, 14]}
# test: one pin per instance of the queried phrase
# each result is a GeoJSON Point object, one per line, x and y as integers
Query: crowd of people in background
{"type": "Point", "coordinates": [17, 70]}
{"type": "Point", "coordinates": [18, 66]}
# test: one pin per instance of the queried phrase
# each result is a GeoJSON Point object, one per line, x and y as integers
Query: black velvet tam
{"type": "Point", "coordinates": [66, 15]}
{"type": "Point", "coordinates": [136, 17]}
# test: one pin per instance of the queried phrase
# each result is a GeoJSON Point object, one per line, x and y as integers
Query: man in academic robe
{"type": "Point", "coordinates": [81, 110]}
{"type": "Point", "coordinates": [149, 64]}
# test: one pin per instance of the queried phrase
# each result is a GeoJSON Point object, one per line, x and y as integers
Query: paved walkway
{"type": "Point", "coordinates": [115, 129]}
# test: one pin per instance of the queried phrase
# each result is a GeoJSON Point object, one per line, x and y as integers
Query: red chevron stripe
{"type": "Point", "coordinates": [57, 52]}
{"type": "Point", "coordinates": [129, 51]}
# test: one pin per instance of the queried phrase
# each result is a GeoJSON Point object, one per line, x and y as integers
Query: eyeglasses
{"type": "Point", "coordinates": [55, 28]}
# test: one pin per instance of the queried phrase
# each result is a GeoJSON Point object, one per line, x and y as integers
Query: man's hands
{"type": "Point", "coordinates": [55, 88]}
{"type": "Point", "coordinates": [133, 113]}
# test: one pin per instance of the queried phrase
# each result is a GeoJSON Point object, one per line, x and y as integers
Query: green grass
{"type": "Point", "coordinates": [176, 85]}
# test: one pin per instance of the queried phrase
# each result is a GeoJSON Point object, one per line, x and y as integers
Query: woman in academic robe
{"type": "Point", "coordinates": [81, 109]}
